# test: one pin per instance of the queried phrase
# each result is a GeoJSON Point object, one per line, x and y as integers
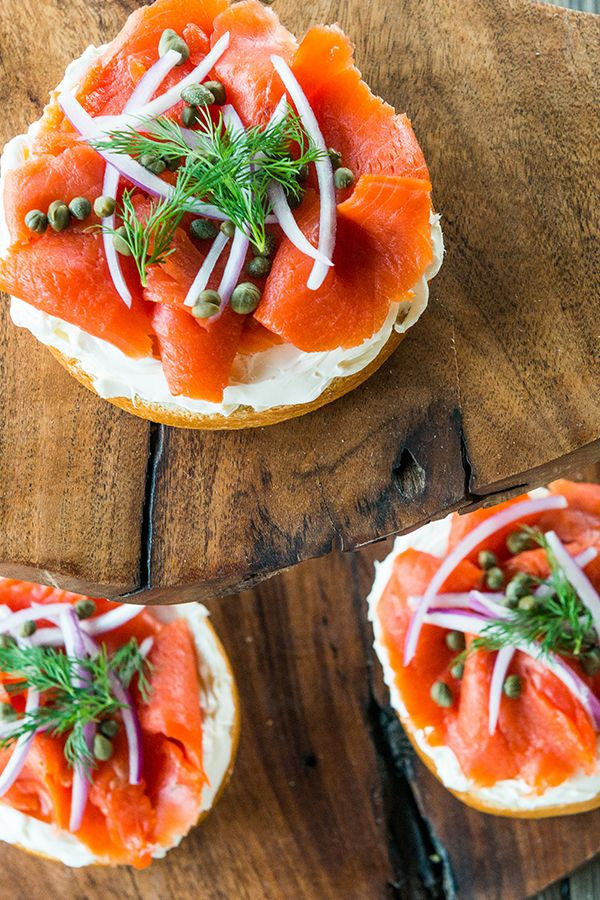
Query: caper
{"type": "Point", "coordinates": [494, 578]}
{"type": "Point", "coordinates": [170, 40]}
{"type": "Point", "coordinates": [203, 229]}
{"type": "Point", "coordinates": [512, 686]}
{"type": "Point", "coordinates": [7, 712]}
{"type": "Point", "coordinates": [198, 95]}
{"type": "Point", "coordinates": [457, 670]}
{"type": "Point", "coordinates": [104, 207]}
{"type": "Point", "coordinates": [207, 305]}
{"type": "Point", "coordinates": [37, 221]}
{"type": "Point", "coordinates": [154, 164]}
{"type": "Point", "coordinates": [217, 90]}
{"type": "Point", "coordinates": [189, 116]}
{"type": "Point", "coordinates": [519, 586]}
{"type": "Point", "coordinates": [172, 163]}
{"type": "Point", "coordinates": [455, 640]}
{"type": "Point", "coordinates": [28, 628]}
{"type": "Point", "coordinates": [344, 178]}
{"type": "Point", "coordinates": [59, 216]}
{"type": "Point", "coordinates": [228, 228]}
{"type": "Point", "coordinates": [120, 243]}
{"type": "Point", "coordinates": [80, 208]}
{"type": "Point", "coordinates": [335, 156]}
{"type": "Point", "coordinates": [302, 174]}
{"type": "Point", "coordinates": [590, 638]}
{"type": "Point", "coordinates": [259, 267]}
{"type": "Point", "coordinates": [270, 246]}
{"type": "Point", "coordinates": [487, 559]}
{"type": "Point", "coordinates": [294, 197]}
{"type": "Point", "coordinates": [109, 728]}
{"type": "Point", "coordinates": [590, 663]}
{"type": "Point", "coordinates": [245, 298]}
{"type": "Point", "coordinates": [103, 748]}
{"type": "Point", "coordinates": [519, 541]}
{"type": "Point", "coordinates": [85, 608]}
{"type": "Point", "coordinates": [529, 603]}
{"type": "Point", "coordinates": [7, 640]}
{"type": "Point", "coordinates": [441, 693]}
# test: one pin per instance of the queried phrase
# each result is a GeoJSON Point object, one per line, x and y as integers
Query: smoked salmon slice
{"type": "Point", "coordinates": [66, 275]}
{"type": "Point", "coordinates": [383, 247]}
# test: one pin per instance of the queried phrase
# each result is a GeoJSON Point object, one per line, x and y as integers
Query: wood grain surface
{"type": "Point", "coordinates": [495, 388]}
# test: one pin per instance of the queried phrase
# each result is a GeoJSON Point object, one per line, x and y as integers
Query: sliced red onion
{"type": "Point", "coordinates": [233, 269]}
{"type": "Point", "coordinates": [145, 89]}
{"type": "Point", "coordinates": [48, 637]}
{"type": "Point", "coordinates": [132, 729]}
{"type": "Point", "coordinates": [577, 577]}
{"type": "Point", "coordinates": [586, 556]}
{"type": "Point", "coordinates": [462, 599]}
{"type": "Point", "coordinates": [146, 646]}
{"type": "Point", "coordinates": [206, 269]}
{"type": "Point", "coordinates": [75, 649]}
{"type": "Point", "coordinates": [127, 166]}
{"type": "Point", "coordinates": [484, 530]}
{"type": "Point", "coordinates": [114, 618]}
{"type": "Point", "coordinates": [456, 620]}
{"type": "Point", "coordinates": [13, 767]}
{"type": "Point", "coordinates": [328, 210]}
{"type": "Point", "coordinates": [503, 660]}
{"type": "Point", "coordinates": [576, 685]}
{"type": "Point", "coordinates": [485, 604]}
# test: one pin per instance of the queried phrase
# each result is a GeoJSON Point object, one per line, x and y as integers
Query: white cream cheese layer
{"type": "Point", "coordinates": [510, 794]}
{"type": "Point", "coordinates": [282, 375]}
{"type": "Point", "coordinates": [218, 705]}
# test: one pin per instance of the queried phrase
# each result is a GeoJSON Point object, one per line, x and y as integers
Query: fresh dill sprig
{"type": "Point", "coordinates": [227, 168]}
{"type": "Point", "coordinates": [558, 623]}
{"type": "Point", "coordinates": [67, 707]}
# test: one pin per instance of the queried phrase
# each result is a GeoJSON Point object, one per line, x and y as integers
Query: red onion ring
{"type": "Point", "coordinates": [503, 660]}
{"type": "Point", "coordinates": [577, 577]}
{"type": "Point", "coordinates": [17, 760]}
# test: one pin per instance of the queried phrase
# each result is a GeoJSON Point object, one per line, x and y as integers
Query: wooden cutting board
{"type": "Point", "coordinates": [495, 389]}
{"type": "Point", "coordinates": [327, 800]}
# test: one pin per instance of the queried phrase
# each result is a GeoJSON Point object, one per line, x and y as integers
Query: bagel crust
{"type": "Point", "coordinates": [235, 737]}
{"type": "Point", "coordinates": [244, 416]}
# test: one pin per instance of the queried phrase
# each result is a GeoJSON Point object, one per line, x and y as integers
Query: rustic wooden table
{"type": "Point", "coordinates": [327, 801]}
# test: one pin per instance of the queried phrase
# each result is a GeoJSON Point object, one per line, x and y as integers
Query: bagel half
{"type": "Point", "coordinates": [513, 798]}
{"type": "Point", "coordinates": [219, 702]}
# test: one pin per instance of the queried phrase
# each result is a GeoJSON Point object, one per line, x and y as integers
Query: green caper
{"type": "Point", "coordinates": [441, 693]}
{"type": "Point", "coordinates": [203, 229]}
{"type": "Point", "coordinates": [302, 175]}
{"type": "Point", "coordinates": [294, 197]}
{"type": "Point", "coordinates": [590, 638]}
{"type": "Point", "coordinates": [258, 267]}
{"type": "Point", "coordinates": [207, 305]}
{"type": "Point", "coordinates": [519, 586]}
{"type": "Point", "coordinates": [7, 640]}
{"type": "Point", "coordinates": [59, 216]}
{"type": "Point", "coordinates": [154, 164]}
{"type": "Point", "coordinates": [513, 686]}
{"type": "Point", "coordinates": [487, 559]}
{"type": "Point", "coordinates": [344, 178]}
{"type": "Point", "coordinates": [189, 116]}
{"type": "Point", "coordinates": [120, 243]}
{"type": "Point", "coordinates": [519, 541]}
{"type": "Point", "coordinates": [85, 608]}
{"type": "Point", "coordinates": [28, 628]}
{"type": "Point", "coordinates": [80, 208]}
{"type": "Point", "coordinates": [170, 40]}
{"type": "Point", "coordinates": [172, 163]}
{"type": "Point", "coordinates": [494, 578]}
{"type": "Point", "coordinates": [109, 728]}
{"type": "Point", "coordinates": [590, 663]}
{"type": "Point", "coordinates": [7, 712]}
{"type": "Point", "coordinates": [529, 603]}
{"type": "Point", "coordinates": [36, 220]}
{"type": "Point", "coordinates": [245, 298]}
{"type": "Point", "coordinates": [198, 95]}
{"type": "Point", "coordinates": [455, 640]}
{"type": "Point", "coordinates": [103, 748]}
{"type": "Point", "coordinates": [104, 207]}
{"type": "Point", "coordinates": [270, 246]}
{"type": "Point", "coordinates": [217, 90]}
{"type": "Point", "coordinates": [335, 156]}
{"type": "Point", "coordinates": [228, 228]}
{"type": "Point", "coordinates": [457, 670]}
